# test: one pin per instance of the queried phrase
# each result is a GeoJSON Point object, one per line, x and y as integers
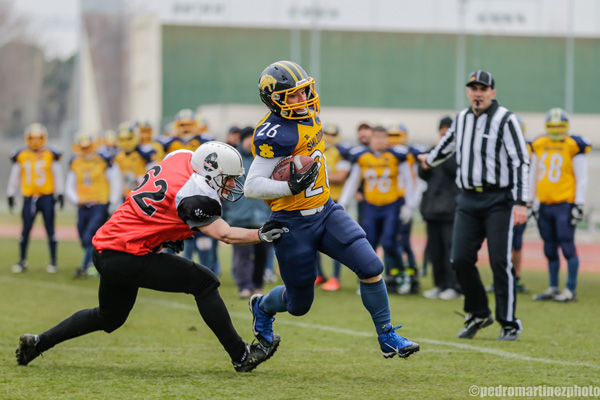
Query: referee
{"type": "Point", "coordinates": [493, 167]}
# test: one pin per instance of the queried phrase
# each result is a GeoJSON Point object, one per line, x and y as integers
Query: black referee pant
{"type": "Point", "coordinates": [481, 215]}
{"type": "Point", "coordinates": [122, 274]}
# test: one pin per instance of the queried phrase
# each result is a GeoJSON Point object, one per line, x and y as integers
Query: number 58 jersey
{"type": "Point", "coordinates": [556, 182]}
{"type": "Point", "coordinates": [171, 200]}
{"type": "Point", "coordinates": [279, 137]}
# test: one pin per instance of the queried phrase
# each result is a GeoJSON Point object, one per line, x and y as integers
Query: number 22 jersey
{"type": "Point", "coordinates": [171, 200]}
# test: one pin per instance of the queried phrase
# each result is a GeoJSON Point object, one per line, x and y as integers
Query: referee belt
{"type": "Point", "coordinates": [311, 211]}
{"type": "Point", "coordinates": [487, 189]}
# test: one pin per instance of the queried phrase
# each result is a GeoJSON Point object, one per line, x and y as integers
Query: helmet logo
{"type": "Point", "coordinates": [210, 162]}
{"type": "Point", "coordinates": [267, 82]}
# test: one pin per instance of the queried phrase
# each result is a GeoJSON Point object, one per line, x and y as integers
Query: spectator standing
{"type": "Point", "coordinates": [438, 206]}
{"type": "Point", "coordinates": [248, 260]}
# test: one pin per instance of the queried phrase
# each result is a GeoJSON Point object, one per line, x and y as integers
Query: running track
{"type": "Point", "coordinates": [533, 254]}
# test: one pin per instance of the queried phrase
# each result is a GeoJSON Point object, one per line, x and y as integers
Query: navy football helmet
{"type": "Point", "coordinates": [283, 78]}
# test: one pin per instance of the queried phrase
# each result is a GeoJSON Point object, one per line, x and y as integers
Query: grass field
{"type": "Point", "coordinates": [164, 350]}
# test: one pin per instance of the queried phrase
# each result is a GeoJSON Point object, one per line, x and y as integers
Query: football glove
{"type": "Point", "coordinates": [406, 214]}
{"type": "Point", "coordinates": [300, 181]}
{"type": "Point", "coordinates": [176, 246]}
{"type": "Point", "coordinates": [576, 214]}
{"type": "Point", "coordinates": [271, 231]}
{"type": "Point", "coordinates": [11, 203]}
{"type": "Point", "coordinates": [60, 199]}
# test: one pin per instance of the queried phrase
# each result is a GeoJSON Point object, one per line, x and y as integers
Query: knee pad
{"type": "Point", "coordinates": [551, 251]}
{"type": "Point", "coordinates": [111, 322]}
{"type": "Point", "coordinates": [206, 283]}
{"type": "Point", "coordinates": [298, 309]}
{"type": "Point", "coordinates": [371, 269]}
{"type": "Point", "coordinates": [299, 300]}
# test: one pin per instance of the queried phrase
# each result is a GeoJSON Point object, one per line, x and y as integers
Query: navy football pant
{"type": "Point", "coordinates": [31, 207]}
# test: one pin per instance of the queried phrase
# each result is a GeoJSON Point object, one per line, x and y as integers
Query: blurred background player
{"type": "Point", "coordinates": [438, 206]}
{"type": "Point", "coordinates": [559, 177]}
{"type": "Point", "coordinates": [381, 167]}
{"type": "Point", "coordinates": [41, 178]}
{"type": "Point", "coordinates": [249, 261]}
{"type": "Point", "coordinates": [338, 169]}
{"type": "Point", "coordinates": [133, 160]}
{"type": "Point", "coordinates": [107, 144]}
{"type": "Point", "coordinates": [203, 133]}
{"type": "Point", "coordinates": [398, 136]}
{"type": "Point", "coordinates": [92, 184]}
{"type": "Point", "coordinates": [233, 136]}
{"type": "Point", "coordinates": [145, 132]}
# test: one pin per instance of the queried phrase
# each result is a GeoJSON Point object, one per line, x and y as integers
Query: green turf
{"type": "Point", "coordinates": [164, 351]}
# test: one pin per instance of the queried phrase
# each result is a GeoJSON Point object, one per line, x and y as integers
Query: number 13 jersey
{"type": "Point", "coordinates": [279, 137]}
{"type": "Point", "coordinates": [171, 200]}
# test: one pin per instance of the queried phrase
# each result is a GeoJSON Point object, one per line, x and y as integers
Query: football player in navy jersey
{"type": "Point", "coordinates": [177, 197]}
{"type": "Point", "coordinates": [303, 206]}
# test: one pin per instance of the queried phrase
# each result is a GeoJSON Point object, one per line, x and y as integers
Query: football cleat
{"type": "Point", "coordinates": [320, 279]}
{"type": "Point", "coordinates": [256, 354]}
{"type": "Point", "coordinates": [565, 296]}
{"type": "Point", "coordinates": [262, 323]}
{"type": "Point", "coordinates": [509, 334]}
{"type": "Point", "coordinates": [19, 267]}
{"type": "Point", "coordinates": [27, 350]}
{"type": "Point", "coordinates": [473, 324]}
{"type": "Point", "coordinates": [548, 294]}
{"type": "Point", "coordinates": [51, 269]}
{"type": "Point", "coordinates": [332, 285]}
{"type": "Point", "coordinates": [393, 344]}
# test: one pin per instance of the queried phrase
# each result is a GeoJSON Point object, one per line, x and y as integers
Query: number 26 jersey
{"type": "Point", "coordinates": [171, 200]}
{"type": "Point", "coordinates": [279, 137]}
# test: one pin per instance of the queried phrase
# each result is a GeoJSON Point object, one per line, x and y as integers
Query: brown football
{"type": "Point", "coordinates": [282, 169]}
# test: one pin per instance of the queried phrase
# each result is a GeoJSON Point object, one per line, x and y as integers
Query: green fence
{"type": "Point", "coordinates": [207, 65]}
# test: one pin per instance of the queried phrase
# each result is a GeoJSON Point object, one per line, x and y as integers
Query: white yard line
{"type": "Point", "coordinates": [299, 324]}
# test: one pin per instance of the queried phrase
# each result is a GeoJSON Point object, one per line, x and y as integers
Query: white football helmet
{"type": "Point", "coordinates": [217, 161]}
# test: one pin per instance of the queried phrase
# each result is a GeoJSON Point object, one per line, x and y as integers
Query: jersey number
{"type": "Point", "coordinates": [554, 168]}
{"type": "Point", "coordinates": [268, 130]}
{"type": "Point", "coordinates": [320, 160]}
{"type": "Point", "coordinates": [36, 172]}
{"type": "Point", "coordinates": [152, 196]}
{"type": "Point", "coordinates": [383, 183]}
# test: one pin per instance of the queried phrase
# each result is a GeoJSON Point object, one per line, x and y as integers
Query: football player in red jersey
{"type": "Point", "coordinates": [303, 205]}
{"type": "Point", "coordinates": [179, 196]}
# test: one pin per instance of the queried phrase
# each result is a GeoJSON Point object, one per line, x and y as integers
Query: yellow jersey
{"type": "Point", "coordinates": [335, 157]}
{"type": "Point", "coordinates": [37, 178]}
{"type": "Point", "coordinates": [555, 175]}
{"type": "Point", "coordinates": [133, 166]}
{"type": "Point", "coordinates": [90, 178]}
{"type": "Point", "coordinates": [379, 172]}
{"type": "Point", "coordinates": [279, 137]}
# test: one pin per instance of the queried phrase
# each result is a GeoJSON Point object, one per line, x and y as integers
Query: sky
{"type": "Point", "coordinates": [54, 24]}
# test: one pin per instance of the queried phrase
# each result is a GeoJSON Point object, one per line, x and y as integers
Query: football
{"type": "Point", "coordinates": [282, 169]}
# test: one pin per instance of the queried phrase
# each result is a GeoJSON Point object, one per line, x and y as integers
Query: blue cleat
{"type": "Point", "coordinates": [262, 323]}
{"type": "Point", "coordinates": [391, 343]}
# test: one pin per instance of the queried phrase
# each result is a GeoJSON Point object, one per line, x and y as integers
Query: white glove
{"type": "Point", "coordinates": [406, 214]}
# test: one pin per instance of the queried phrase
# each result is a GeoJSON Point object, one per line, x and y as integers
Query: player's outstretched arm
{"type": "Point", "coordinates": [221, 230]}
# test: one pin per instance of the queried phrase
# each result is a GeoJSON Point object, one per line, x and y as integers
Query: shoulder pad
{"type": "Point", "coordinates": [15, 154]}
{"type": "Point", "coordinates": [400, 152]}
{"type": "Point", "coordinates": [147, 152]}
{"type": "Point", "coordinates": [585, 146]}
{"type": "Point", "coordinates": [275, 137]}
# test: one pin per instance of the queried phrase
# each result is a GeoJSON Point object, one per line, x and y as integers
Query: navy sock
{"type": "Point", "coordinates": [274, 302]}
{"type": "Point", "coordinates": [553, 267]}
{"type": "Point", "coordinates": [573, 268]}
{"type": "Point", "coordinates": [375, 299]}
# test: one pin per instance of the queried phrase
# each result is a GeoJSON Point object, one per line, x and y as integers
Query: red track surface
{"type": "Point", "coordinates": [533, 253]}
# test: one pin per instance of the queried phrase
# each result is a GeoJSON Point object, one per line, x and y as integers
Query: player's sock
{"type": "Point", "coordinates": [215, 315]}
{"type": "Point", "coordinates": [87, 257]}
{"type": "Point", "coordinates": [78, 324]}
{"type": "Point", "coordinates": [375, 299]}
{"type": "Point", "coordinates": [52, 243]}
{"type": "Point", "coordinates": [573, 268]}
{"type": "Point", "coordinates": [553, 267]}
{"type": "Point", "coordinates": [275, 301]}
{"type": "Point", "coordinates": [23, 247]}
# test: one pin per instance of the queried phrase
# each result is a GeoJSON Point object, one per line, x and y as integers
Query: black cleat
{"type": "Point", "coordinates": [474, 324]}
{"type": "Point", "coordinates": [509, 334]}
{"type": "Point", "coordinates": [255, 354]}
{"type": "Point", "coordinates": [27, 350]}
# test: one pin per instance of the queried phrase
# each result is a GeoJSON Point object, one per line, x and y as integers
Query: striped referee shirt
{"type": "Point", "coordinates": [490, 151]}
